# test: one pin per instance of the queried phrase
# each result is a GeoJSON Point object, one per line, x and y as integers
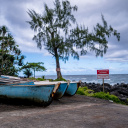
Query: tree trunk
{"type": "Point", "coordinates": [1, 65]}
{"type": "Point", "coordinates": [0, 72]}
{"type": "Point", "coordinates": [34, 73]}
{"type": "Point", "coordinates": [2, 58]}
{"type": "Point", "coordinates": [58, 71]}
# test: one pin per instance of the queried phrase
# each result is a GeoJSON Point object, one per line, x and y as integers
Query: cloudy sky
{"type": "Point", "coordinates": [13, 14]}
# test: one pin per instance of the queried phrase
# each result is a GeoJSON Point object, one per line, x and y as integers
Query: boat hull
{"type": "Point", "coordinates": [60, 91]}
{"type": "Point", "coordinates": [41, 95]}
{"type": "Point", "coordinates": [72, 89]}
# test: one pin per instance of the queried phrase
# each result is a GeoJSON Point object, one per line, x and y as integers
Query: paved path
{"type": "Point", "coordinates": [68, 112]}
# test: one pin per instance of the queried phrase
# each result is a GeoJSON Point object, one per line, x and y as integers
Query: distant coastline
{"type": "Point", "coordinates": [113, 78]}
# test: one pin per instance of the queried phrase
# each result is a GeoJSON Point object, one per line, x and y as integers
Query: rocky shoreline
{"type": "Point", "coordinates": [119, 90]}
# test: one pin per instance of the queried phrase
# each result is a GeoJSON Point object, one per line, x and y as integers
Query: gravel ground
{"type": "Point", "coordinates": [68, 112]}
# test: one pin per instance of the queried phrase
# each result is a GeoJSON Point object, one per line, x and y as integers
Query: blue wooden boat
{"type": "Point", "coordinates": [27, 91]}
{"type": "Point", "coordinates": [72, 88]}
{"type": "Point", "coordinates": [61, 90]}
{"type": "Point", "coordinates": [39, 94]}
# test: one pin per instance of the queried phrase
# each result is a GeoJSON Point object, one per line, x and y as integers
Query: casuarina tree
{"type": "Point", "coordinates": [54, 32]}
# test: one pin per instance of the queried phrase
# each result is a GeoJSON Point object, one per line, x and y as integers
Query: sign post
{"type": "Point", "coordinates": [103, 74]}
{"type": "Point", "coordinates": [103, 84]}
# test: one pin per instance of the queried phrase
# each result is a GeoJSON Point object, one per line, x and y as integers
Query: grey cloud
{"type": "Point", "coordinates": [15, 14]}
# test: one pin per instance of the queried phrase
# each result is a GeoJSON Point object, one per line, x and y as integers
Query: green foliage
{"type": "Point", "coordinates": [27, 72]}
{"type": "Point", "coordinates": [85, 91]}
{"type": "Point", "coordinates": [80, 91]}
{"type": "Point", "coordinates": [10, 54]}
{"type": "Point", "coordinates": [106, 96]}
{"type": "Point", "coordinates": [50, 80]}
{"type": "Point", "coordinates": [60, 79]}
{"type": "Point", "coordinates": [43, 77]}
{"type": "Point", "coordinates": [35, 66]}
{"type": "Point", "coordinates": [88, 92]}
{"type": "Point", "coordinates": [32, 78]}
{"type": "Point", "coordinates": [40, 79]}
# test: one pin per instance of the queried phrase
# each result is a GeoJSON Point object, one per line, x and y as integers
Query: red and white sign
{"type": "Point", "coordinates": [103, 74]}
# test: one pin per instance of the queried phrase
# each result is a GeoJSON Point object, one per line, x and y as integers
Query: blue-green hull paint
{"type": "Point", "coordinates": [71, 89]}
{"type": "Point", "coordinates": [60, 91]}
{"type": "Point", "coordinates": [4, 77]}
{"type": "Point", "coordinates": [38, 94]}
{"type": "Point", "coordinates": [26, 83]}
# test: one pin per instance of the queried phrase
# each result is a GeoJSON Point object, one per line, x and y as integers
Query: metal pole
{"type": "Point", "coordinates": [103, 84]}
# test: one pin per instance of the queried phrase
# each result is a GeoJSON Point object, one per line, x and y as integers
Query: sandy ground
{"type": "Point", "coordinates": [69, 112]}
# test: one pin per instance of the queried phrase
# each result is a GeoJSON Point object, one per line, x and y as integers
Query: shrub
{"type": "Point", "coordinates": [40, 79]}
{"type": "Point", "coordinates": [102, 95]}
{"type": "Point", "coordinates": [106, 96]}
{"type": "Point", "coordinates": [43, 77]}
{"type": "Point", "coordinates": [89, 92]}
{"type": "Point", "coordinates": [61, 79]}
{"type": "Point", "coordinates": [50, 80]}
{"type": "Point", "coordinates": [32, 78]}
{"type": "Point", "coordinates": [80, 91]}
{"type": "Point", "coordinates": [85, 91]}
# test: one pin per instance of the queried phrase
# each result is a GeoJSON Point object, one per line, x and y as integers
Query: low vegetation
{"type": "Point", "coordinates": [102, 95]}
{"type": "Point", "coordinates": [43, 79]}
{"type": "Point", "coordinates": [60, 79]}
{"type": "Point", "coordinates": [85, 91]}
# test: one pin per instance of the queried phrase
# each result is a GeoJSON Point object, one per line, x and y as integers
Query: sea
{"type": "Point", "coordinates": [113, 78]}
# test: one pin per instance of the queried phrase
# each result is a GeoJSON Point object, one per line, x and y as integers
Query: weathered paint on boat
{"type": "Point", "coordinates": [2, 76]}
{"type": "Point", "coordinates": [25, 83]}
{"type": "Point", "coordinates": [10, 80]}
{"type": "Point", "coordinates": [72, 88]}
{"type": "Point", "coordinates": [41, 94]}
{"type": "Point", "coordinates": [60, 91]}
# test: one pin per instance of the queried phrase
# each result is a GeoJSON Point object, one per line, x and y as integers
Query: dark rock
{"type": "Point", "coordinates": [107, 85]}
{"type": "Point", "coordinates": [98, 84]}
{"type": "Point", "coordinates": [123, 91]}
{"type": "Point", "coordinates": [115, 93]}
{"type": "Point", "coordinates": [124, 99]}
{"type": "Point", "coordinates": [114, 88]}
{"type": "Point", "coordinates": [82, 84]}
{"type": "Point", "coordinates": [124, 85]}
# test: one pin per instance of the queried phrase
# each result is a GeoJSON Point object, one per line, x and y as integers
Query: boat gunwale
{"type": "Point", "coordinates": [35, 85]}
{"type": "Point", "coordinates": [27, 85]}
